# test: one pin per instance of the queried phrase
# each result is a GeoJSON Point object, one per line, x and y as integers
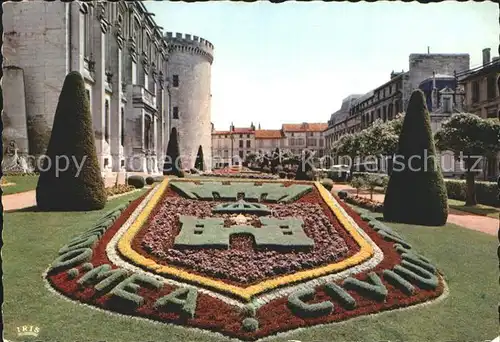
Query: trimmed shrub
{"type": "Point", "coordinates": [327, 183]}
{"type": "Point", "coordinates": [149, 180]}
{"type": "Point", "coordinates": [136, 181]}
{"type": "Point", "coordinates": [72, 273]}
{"type": "Point", "coordinates": [290, 175]}
{"type": "Point", "coordinates": [397, 281]}
{"type": "Point", "coordinates": [199, 163]}
{"type": "Point", "coordinates": [342, 194]}
{"type": "Point", "coordinates": [173, 163]}
{"type": "Point", "coordinates": [423, 278]}
{"type": "Point", "coordinates": [305, 170]}
{"type": "Point", "coordinates": [374, 288]}
{"type": "Point", "coordinates": [416, 193]}
{"type": "Point", "coordinates": [159, 179]}
{"type": "Point", "coordinates": [183, 300]}
{"type": "Point", "coordinates": [486, 192]}
{"type": "Point", "coordinates": [338, 293]}
{"type": "Point", "coordinates": [71, 259]}
{"type": "Point", "coordinates": [250, 324]}
{"type": "Point", "coordinates": [65, 187]}
{"type": "Point", "coordinates": [297, 304]}
{"type": "Point", "coordinates": [266, 169]}
{"type": "Point", "coordinates": [87, 266]}
{"type": "Point", "coordinates": [282, 174]}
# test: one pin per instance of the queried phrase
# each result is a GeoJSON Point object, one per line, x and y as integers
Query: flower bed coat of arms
{"type": "Point", "coordinates": [243, 258]}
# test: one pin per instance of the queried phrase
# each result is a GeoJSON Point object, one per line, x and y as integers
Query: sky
{"type": "Point", "coordinates": [294, 62]}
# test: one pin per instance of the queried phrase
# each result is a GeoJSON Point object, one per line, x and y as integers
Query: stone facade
{"type": "Point", "coordinates": [386, 101]}
{"type": "Point", "coordinates": [123, 57]}
{"type": "Point", "coordinates": [482, 97]}
{"type": "Point", "coordinates": [189, 73]}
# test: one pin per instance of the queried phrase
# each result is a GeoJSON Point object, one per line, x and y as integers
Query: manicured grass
{"type": "Point", "coordinates": [479, 209]}
{"type": "Point", "coordinates": [22, 183]}
{"type": "Point", "coordinates": [32, 240]}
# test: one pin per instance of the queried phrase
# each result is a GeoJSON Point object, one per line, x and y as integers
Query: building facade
{"type": "Point", "coordinates": [125, 61]}
{"type": "Point", "coordinates": [386, 101]}
{"type": "Point", "coordinates": [482, 97]}
{"type": "Point", "coordinates": [238, 142]}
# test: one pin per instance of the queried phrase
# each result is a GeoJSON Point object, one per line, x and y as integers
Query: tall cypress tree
{"type": "Point", "coordinates": [62, 185]}
{"type": "Point", "coordinates": [199, 164]}
{"type": "Point", "coordinates": [416, 193]}
{"type": "Point", "coordinates": [173, 163]}
{"type": "Point", "coordinates": [304, 171]}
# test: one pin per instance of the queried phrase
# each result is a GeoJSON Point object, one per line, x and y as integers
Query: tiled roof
{"type": "Point", "coordinates": [305, 127]}
{"type": "Point", "coordinates": [245, 130]}
{"type": "Point", "coordinates": [268, 134]}
{"type": "Point", "coordinates": [220, 132]}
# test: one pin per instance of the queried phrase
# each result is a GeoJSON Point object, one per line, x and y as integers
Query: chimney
{"type": "Point", "coordinates": [486, 56]}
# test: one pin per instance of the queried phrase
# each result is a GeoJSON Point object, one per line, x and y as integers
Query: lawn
{"type": "Point", "coordinates": [479, 209]}
{"type": "Point", "coordinates": [465, 257]}
{"type": "Point", "coordinates": [22, 183]}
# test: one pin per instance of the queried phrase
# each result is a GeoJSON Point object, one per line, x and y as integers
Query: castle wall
{"type": "Point", "coordinates": [191, 61]}
{"type": "Point", "coordinates": [35, 39]}
{"type": "Point", "coordinates": [14, 109]}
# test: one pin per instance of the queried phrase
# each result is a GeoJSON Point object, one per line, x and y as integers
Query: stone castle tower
{"type": "Point", "coordinates": [189, 74]}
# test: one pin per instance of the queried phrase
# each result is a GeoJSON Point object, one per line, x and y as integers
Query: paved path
{"type": "Point", "coordinates": [483, 224]}
{"type": "Point", "coordinates": [19, 201]}
{"type": "Point", "coordinates": [27, 199]}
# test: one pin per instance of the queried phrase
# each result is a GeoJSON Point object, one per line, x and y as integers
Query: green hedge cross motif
{"type": "Point", "coordinates": [211, 233]}
{"type": "Point", "coordinates": [270, 192]}
{"type": "Point", "coordinates": [241, 207]}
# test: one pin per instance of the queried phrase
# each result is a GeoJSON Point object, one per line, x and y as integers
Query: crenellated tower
{"type": "Point", "coordinates": [189, 74]}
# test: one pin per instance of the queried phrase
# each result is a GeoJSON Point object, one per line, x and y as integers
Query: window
{"type": "Point", "coordinates": [310, 134]}
{"type": "Point", "coordinates": [248, 143]}
{"type": "Point", "coordinates": [241, 136]}
{"type": "Point", "coordinates": [475, 91]}
{"type": "Point", "coordinates": [106, 120]}
{"type": "Point", "coordinates": [248, 135]}
{"type": "Point", "coordinates": [122, 127]}
{"type": "Point", "coordinates": [491, 87]}
{"type": "Point", "coordinates": [241, 143]}
{"type": "Point", "coordinates": [147, 132]}
{"type": "Point", "coordinates": [447, 104]}
{"type": "Point", "coordinates": [241, 154]}
{"type": "Point", "coordinates": [292, 134]}
{"type": "Point", "coordinates": [175, 81]}
{"type": "Point", "coordinates": [175, 112]}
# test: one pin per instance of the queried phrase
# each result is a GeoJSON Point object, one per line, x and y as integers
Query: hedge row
{"type": "Point", "coordinates": [486, 192]}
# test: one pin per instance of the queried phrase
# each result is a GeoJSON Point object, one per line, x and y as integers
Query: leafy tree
{"type": "Point", "coordinates": [173, 163]}
{"type": "Point", "coordinates": [199, 163]}
{"type": "Point", "coordinates": [469, 137]}
{"type": "Point", "coordinates": [350, 145]}
{"type": "Point", "coordinates": [62, 185]}
{"type": "Point", "coordinates": [358, 183]}
{"type": "Point", "coordinates": [381, 138]}
{"type": "Point", "coordinates": [416, 193]}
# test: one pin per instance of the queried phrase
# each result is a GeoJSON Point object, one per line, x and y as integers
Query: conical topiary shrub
{"type": "Point", "coordinates": [199, 164]}
{"type": "Point", "coordinates": [173, 163]}
{"type": "Point", "coordinates": [416, 193]}
{"type": "Point", "coordinates": [305, 170]}
{"type": "Point", "coordinates": [70, 178]}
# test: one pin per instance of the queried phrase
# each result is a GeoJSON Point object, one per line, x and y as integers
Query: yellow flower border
{"type": "Point", "coordinates": [124, 247]}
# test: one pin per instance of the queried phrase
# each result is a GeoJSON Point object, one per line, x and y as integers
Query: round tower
{"type": "Point", "coordinates": [189, 73]}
